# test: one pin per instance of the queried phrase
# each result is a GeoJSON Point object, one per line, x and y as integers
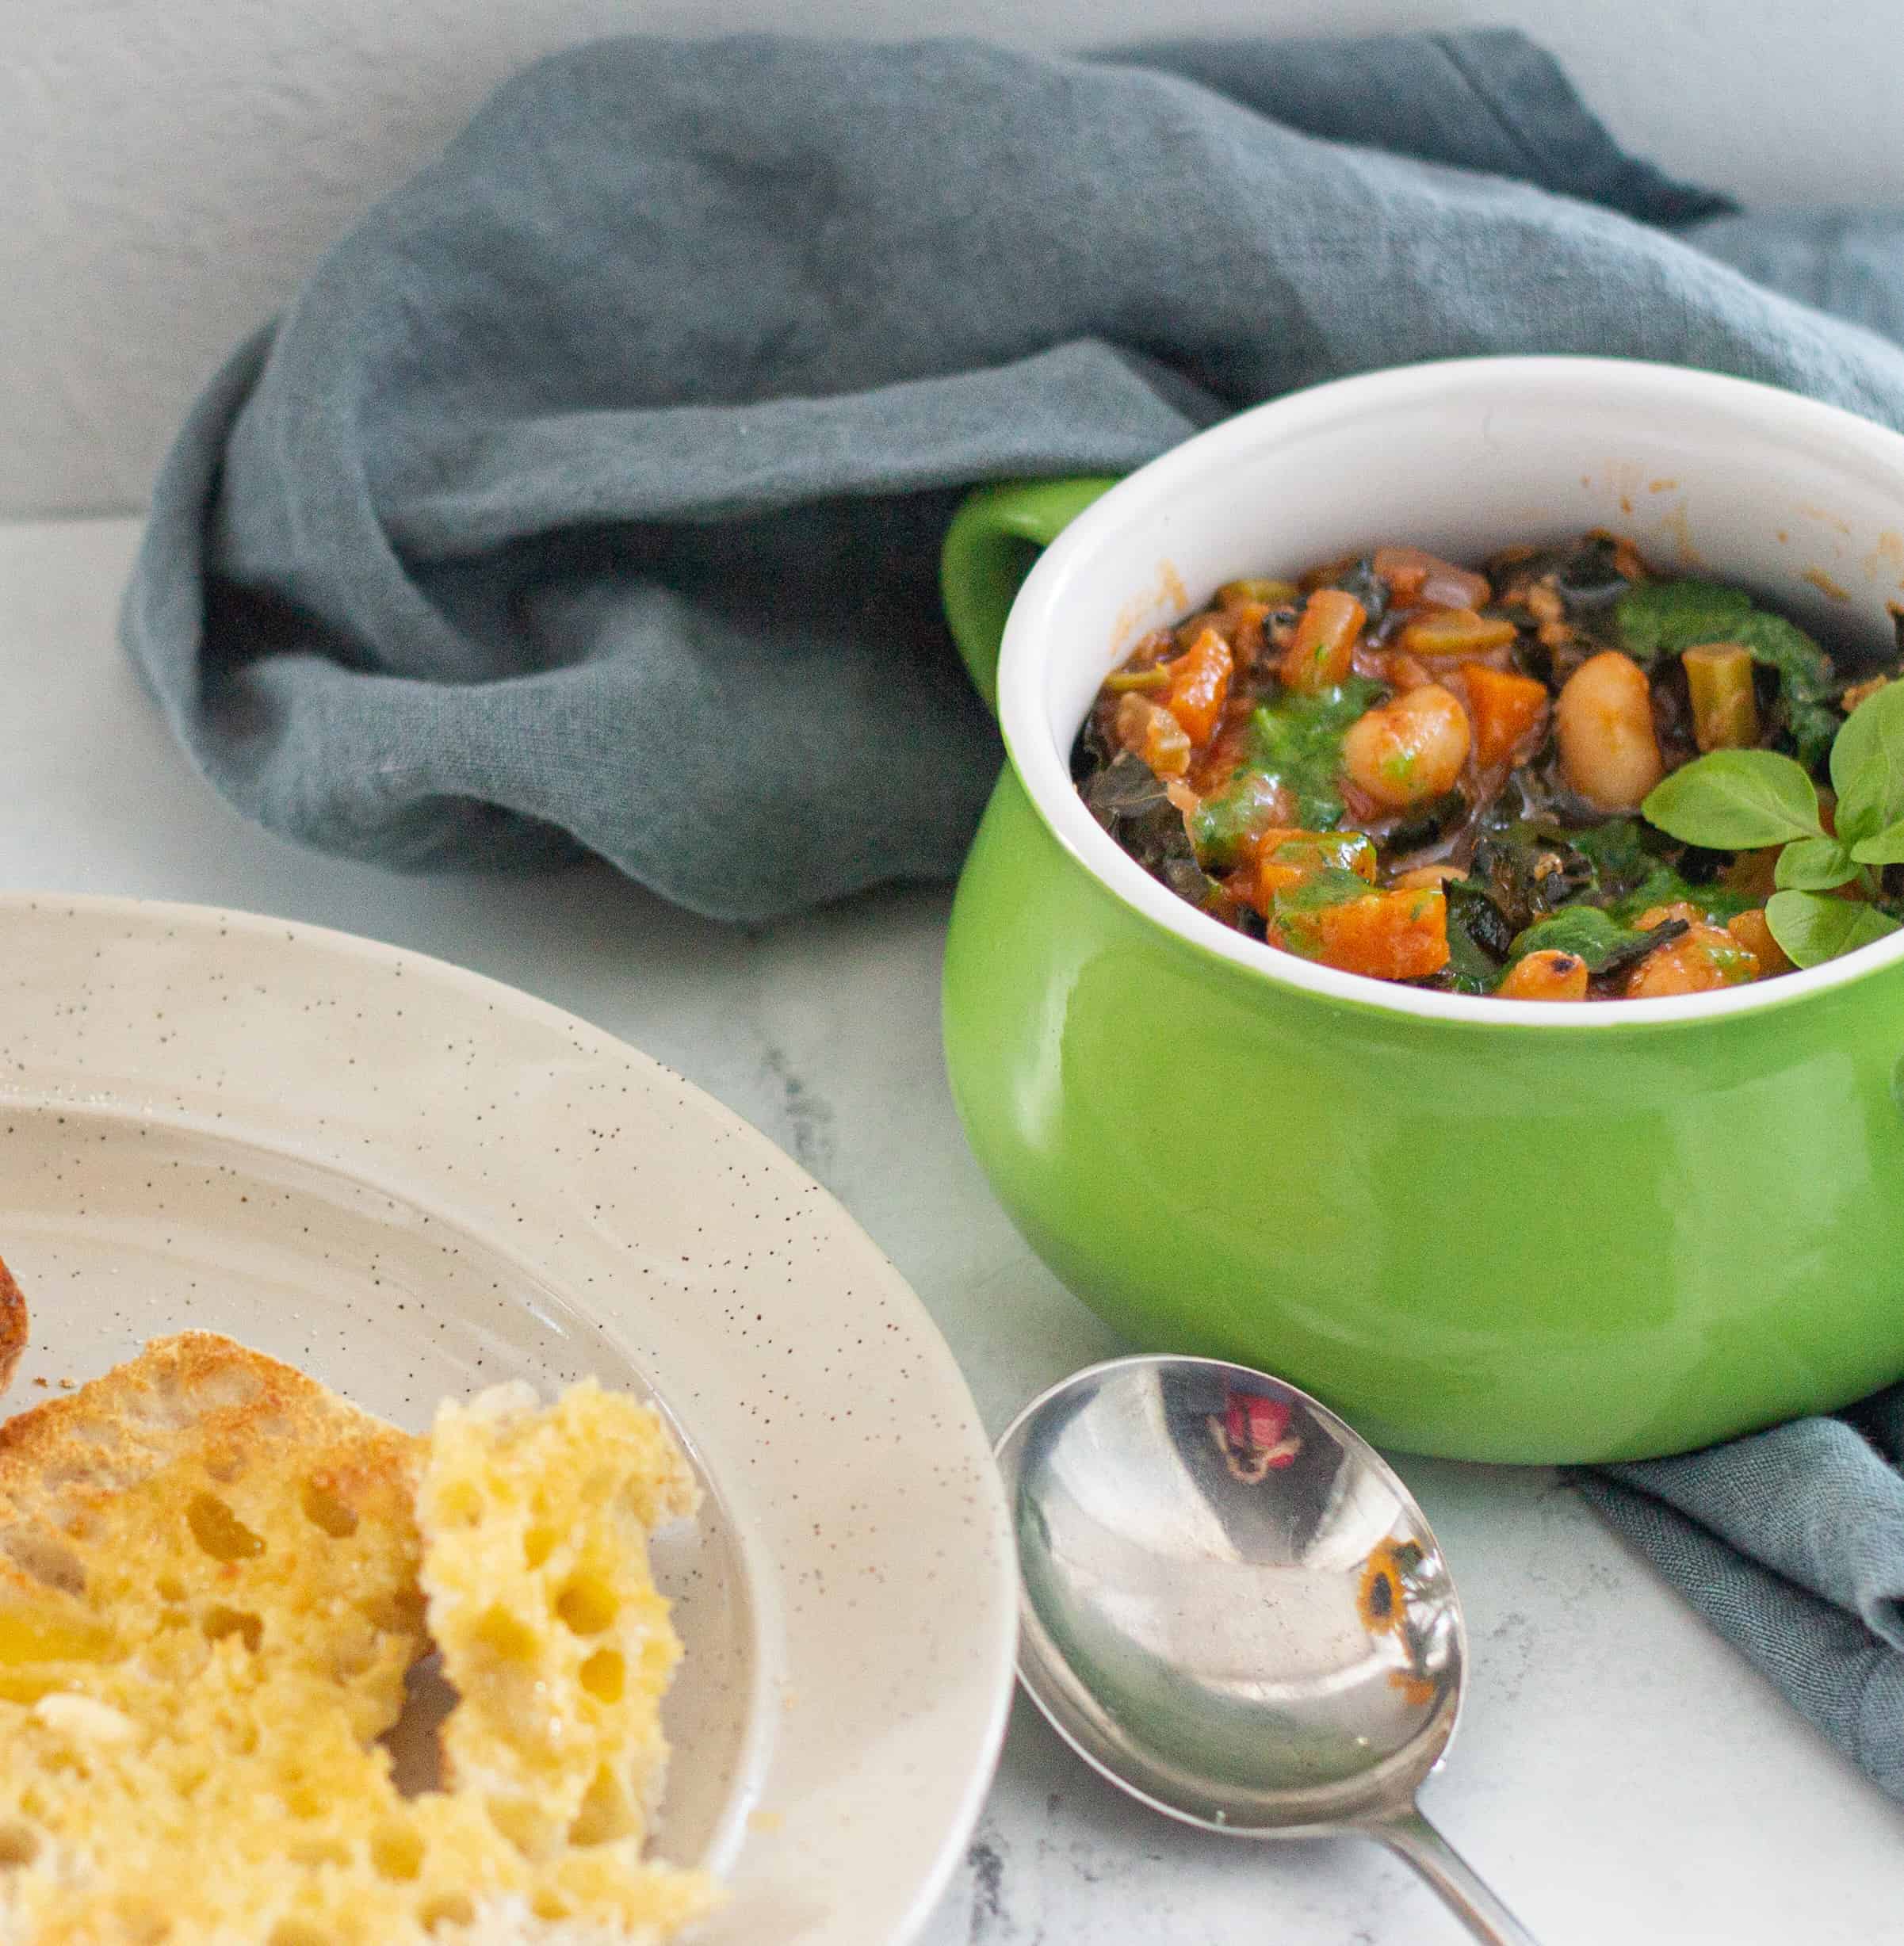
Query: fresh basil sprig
{"type": "Point", "coordinates": [1737, 800]}
{"type": "Point", "coordinates": [1747, 800]}
{"type": "Point", "coordinates": [1868, 773]}
{"type": "Point", "coordinates": [1812, 930]}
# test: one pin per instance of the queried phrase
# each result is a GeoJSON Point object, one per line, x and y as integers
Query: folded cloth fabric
{"type": "Point", "coordinates": [1791, 1543]}
{"type": "Point", "coordinates": [589, 495]}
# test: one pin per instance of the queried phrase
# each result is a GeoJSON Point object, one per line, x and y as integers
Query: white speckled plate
{"type": "Point", "coordinates": [414, 1182]}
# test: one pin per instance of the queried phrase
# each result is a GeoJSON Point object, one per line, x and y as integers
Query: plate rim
{"type": "Point", "coordinates": [999, 1648]}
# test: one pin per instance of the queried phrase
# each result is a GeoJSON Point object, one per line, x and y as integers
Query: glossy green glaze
{"type": "Point", "coordinates": [1478, 1241]}
{"type": "Point", "coordinates": [989, 547]}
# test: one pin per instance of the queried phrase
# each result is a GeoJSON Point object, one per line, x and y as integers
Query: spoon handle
{"type": "Point", "coordinates": [1409, 1833]}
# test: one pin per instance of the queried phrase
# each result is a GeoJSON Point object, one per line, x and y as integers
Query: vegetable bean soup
{"type": "Point", "coordinates": [1562, 776]}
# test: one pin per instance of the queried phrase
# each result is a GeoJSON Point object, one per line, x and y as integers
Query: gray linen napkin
{"type": "Point", "coordinates": [1791, 1543]}
{"type": "Point", "coordinates": [589, 496]}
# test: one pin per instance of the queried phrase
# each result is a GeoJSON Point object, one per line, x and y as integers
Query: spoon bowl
{"type": "Point", "coordinates": [1233, 1609]}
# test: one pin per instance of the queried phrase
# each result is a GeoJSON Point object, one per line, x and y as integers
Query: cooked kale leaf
{"type": "Point", "coordinates": [1594, 936]}
{"type": "Point", "coordinates": [1127, 799]}
{"type": "Point", "coordinates": [1662, 618]}
{"type": "Point", "coordinates": [1480, 939]}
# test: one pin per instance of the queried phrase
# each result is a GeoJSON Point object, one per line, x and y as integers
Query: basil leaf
{"type": "Point", "coordinates": [1868, 766]}
{"type": "Point", "coordinates": [1814, 864]}
{"type": "Point", "coordinates": [1886, 848]}
{"type": "Point", "coordinates": [1813, 929]}
{"type": "Point", "coordinates": [1660, 618]}
{"type": "Point", "coordinates": [1736, 801]}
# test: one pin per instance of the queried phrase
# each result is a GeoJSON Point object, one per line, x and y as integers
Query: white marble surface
{"type": "Point", "coordinates": [1620, 1775]}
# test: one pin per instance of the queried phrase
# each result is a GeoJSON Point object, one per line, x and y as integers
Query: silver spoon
{"type": "Point", "coordinates": [1233, 1609]}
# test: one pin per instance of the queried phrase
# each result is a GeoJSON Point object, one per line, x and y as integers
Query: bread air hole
{"type": "Point", "coordinates": [445, 1909]}
{"type": "Point", "coordinates": [605, 1813]}
{"type": "Point", "coordinates": [19, 1844]}
{"type": "Point", "coordinates": [587, 1605]}
{"type": "Point", "coordinates": [396, 1852]}
{"type": "Point", "coordinates": [520, 1821]}
{"type": "Point", "coordinates": [318, 1852]}
{"type": "Point", "coordinates": [506, 1636]}
{"type": "Point", "coordinates": [395, 1611]}
{"type": "Point", "coordinates": [604, 1676]}
{"type": "Point", "coordinates": [298, 1932]}
{"type": "Point", "coordinates": [139, 1922]}
{"type": "Point", "coordinates": [219, 1531]}
{"type": "Point", "coordinates": [458, 1503]}
{"type": "Point", "coordinates": [538, 1544]}
{"type": "Point", "coordinates": [47, 1559]}
{"type": "Point", "coordinates": [219, 1622]}
{"type": "Point", "coordinates": [324, 1510]}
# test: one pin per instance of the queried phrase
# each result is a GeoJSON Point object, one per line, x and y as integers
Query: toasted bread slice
{"type": "Point", "coordinates": [203, 1490]}
{"type": "Point", "coordinates": [13, 1324]}
{"type": "Point", "coordinates": [210, 1589]}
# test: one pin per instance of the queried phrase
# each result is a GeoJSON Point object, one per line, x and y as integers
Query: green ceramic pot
{"type": "Point", "coordinates": [1476, 1228]}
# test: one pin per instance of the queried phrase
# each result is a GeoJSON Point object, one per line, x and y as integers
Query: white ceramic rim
{"type": "Point", "coordinates": [886, 1890]}
{"type": "Point", "coordinates": [1044, 768]}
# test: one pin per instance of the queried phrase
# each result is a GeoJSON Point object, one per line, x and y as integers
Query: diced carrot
{"type": "Point", "coordinates": [1248, 630]}
{"type": "Point", "coordinates": [1388, 935]}
{"type": "Point", "coordinates": [1457, 633]}
{"type": "Point", "coordinates": [1285, 858]}
{"type": "Point", "coordinates": [1199, 683]}
{"type": "Point", "coordinates": [1755, 935]}
{"type": "Point", "coordinates": [1413, 575]}
{"type": "Point", "coordinates": [1507, 709]}
{"type": "Point", "coordinates": [1323, 645]}
{"type": "Point", "coordinates": [1546, 975]}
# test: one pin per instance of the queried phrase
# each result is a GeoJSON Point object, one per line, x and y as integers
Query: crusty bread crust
{"type": "Point", "coordinates": [195, 1395]}
{"type": "Point", "coordinates": [13, 1324]}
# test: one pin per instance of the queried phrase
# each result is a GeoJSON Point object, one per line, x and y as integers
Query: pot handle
{"type": "Point", "coordinates": [989, 547]}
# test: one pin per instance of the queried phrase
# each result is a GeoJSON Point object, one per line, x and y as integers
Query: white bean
{"type": "Point", "coordinates": [1604, 723]}
{"type": "Point", "coordinates": [1409, 749]}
